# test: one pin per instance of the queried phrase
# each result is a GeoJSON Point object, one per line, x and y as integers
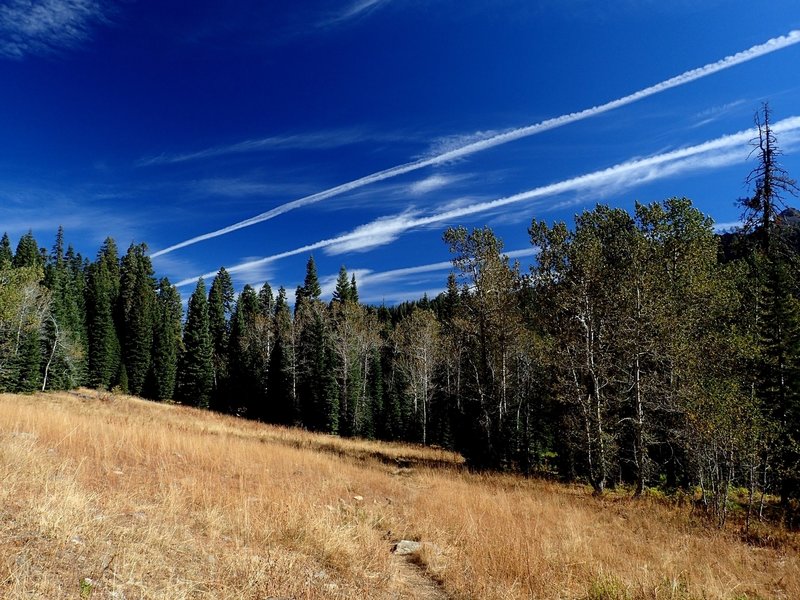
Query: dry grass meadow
{"type": "Point", "coordinates": [115, 497]}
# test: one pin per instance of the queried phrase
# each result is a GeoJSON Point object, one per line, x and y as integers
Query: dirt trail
{"type": "Point", "coordinates": [411, 581]}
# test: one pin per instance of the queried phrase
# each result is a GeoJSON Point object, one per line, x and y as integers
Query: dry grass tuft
{"type": "Point", "coordinates": [115, 497]}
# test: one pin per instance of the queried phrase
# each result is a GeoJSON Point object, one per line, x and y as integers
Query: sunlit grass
{"type": "Point", "coordinates": [115, 497]}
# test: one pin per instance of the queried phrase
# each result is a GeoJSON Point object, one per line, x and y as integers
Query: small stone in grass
{"type": "Point", "coordinates": [406, 547]}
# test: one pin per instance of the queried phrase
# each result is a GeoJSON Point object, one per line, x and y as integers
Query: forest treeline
{"type": "Point", "coordinates": [640, 348]}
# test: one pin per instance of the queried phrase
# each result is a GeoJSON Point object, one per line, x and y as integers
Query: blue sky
{"type": "Point", "coordinates": [251, 134]}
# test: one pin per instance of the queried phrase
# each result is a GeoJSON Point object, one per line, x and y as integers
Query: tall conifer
{"type": "Point", "coordinates": [195, 377]}
{"type": "Point", "coordinates": [101, 299]}
{"type": "Point", "coordinates": [166, 341]}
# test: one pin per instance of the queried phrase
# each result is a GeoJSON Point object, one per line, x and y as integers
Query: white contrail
{"type": "Point", "coordinates": [713, 153]}
{"type": "Point", "coordinates": [778, 43]}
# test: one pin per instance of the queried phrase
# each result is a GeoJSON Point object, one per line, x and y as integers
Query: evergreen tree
{"type": "Point", "coordinates": [64, 330]}
{"type": "Point", "coordinates": [6, 256]}
{"type": "Point", "coordinates": [74, 302]}
{"type": "Point", "coordinates": [196, 372]}
{"type": "Point", "coordinates": [220, 309]}
{"type": "Point", "coordinates": [317, 393]}
{"type": "Point", "coordinates": [27, 363]}
{"type": "Point", "coordinates": [247, 370]}
{"type": "Point", "coordinates": [310, 290]}
{"type": "Point", "coordinates": [774, 288]}
{"type": "Point", "coordinates": [166, 341]}
{"type": "Point", "coordinates": [101, 299]}
{"type": "Point", "coordinates": [266, 301]}
{"type": "Point", "coordinates": [343, 292]}
{"type": "Point", "coordinates": [136, 309]}
{"type": "Point", "coordinates": [282, 406]}
{"type": "Point", "coordinates": [27, 253]}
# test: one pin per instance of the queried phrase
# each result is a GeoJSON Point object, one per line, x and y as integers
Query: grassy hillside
{"type": "Point", "coordinates": [115, 497]}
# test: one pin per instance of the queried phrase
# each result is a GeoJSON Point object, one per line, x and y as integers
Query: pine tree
{"type": "Point", "coordinates": [64, 330]}
{"type": "Point", "coordinates": [6, 256]}
{"type": "Point", "coordinates": [27, 253]}
{"type": "Point", "coordinates": [310, 290]}
{"type": "Point", "coordinates": [246, 374]}
{"type": "Point", "coordinates": [317, 393]}
{"type": "Point", "coordinates": [343, 292]}
{"type": "Point", "coordinates": [27, 365]}
{"type": "Point", "coordinates": [776, 312]}
{"type": "Point", "coordinates": [136, 309]}
{"type": "Point", "coordinates": [282, 406]}
{"type": "Point", "coordinates": [196, 372]}
{"type": "Point", "coordinates": [101, 299]}
{"type": "Point", "coordinates": [220, 309]}
{"type": "Point", "coordinates": [266, 300]}
{"type": "Point", "coordinates": [74, 302]}
{"type": "Point", "coordinates": [167, 341]}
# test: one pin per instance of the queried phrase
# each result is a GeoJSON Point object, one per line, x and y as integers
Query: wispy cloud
{"type": "Point", "coordinates": [432, 183]}
{"type": "Point", "coordinates": [773, 45]}
{"type": "Point", "coordinates": [715, 153]}
{"type": "Point", "coordinates": [46, 26]}
{"type": "Point", "coordinates": [715, 113]}
{"type": "Point", "coordinates": [43, 211]}
{"type": "Point", "coordinates": [319, 140]}
{"type": "Point", "coordinates": [240, 187]}
{"type": "Point", "coordinates": [352, 10]}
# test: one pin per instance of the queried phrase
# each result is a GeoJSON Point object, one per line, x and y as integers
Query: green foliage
{"type": "Point", "coordinates": [101, 302]}
{"type": "Point", "coordinates": [167, 342]}
{"type": "Point", "coordinates": [281, 402]}
{"type": "Point", "coordinates": [634, 354]}
{"type": "Point", "coordinates": [27, 253]}
{"type": "Point", "coordinates": [86, 587]}
{"type": "Point", "coordinates": [24, 307]}
{"type": "Point", "coordinates": [137, 300]}
{"type": "Point", "coordinates": [6, 256]}
{"type": "Point", "coordinates": [195, 375]}
{"type": "Point", "coordinates": [220, 309]}
{"type": "Point", "coordinates": [607, 587]}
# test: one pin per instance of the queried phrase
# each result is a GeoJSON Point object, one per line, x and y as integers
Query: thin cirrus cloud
{"type": "Point", "coordinates": [352, 10]}
{"type": "Point", "coordinates": [772, 45]}
{"type": "Point", "coordinates": [432, 183]}
{"type": "Point", "coordinates": [322, 140]}
{"type": "Point", "coordinates": [714, 153]}
{"type": "Point", "coordinates": [42, 27]}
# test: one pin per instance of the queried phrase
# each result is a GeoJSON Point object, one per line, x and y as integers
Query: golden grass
{"type": "Point", "coordinates": [114, 497]}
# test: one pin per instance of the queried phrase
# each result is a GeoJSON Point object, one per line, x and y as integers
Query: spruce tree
{"type": "Point", "coordinates": [343, 292]}
{"type": "Point", "coordinates": [166, 341]}
{"type": "Point", "coordinates": [282, 407]}
{"type": "Point", "coordinates": [27, 253]}
{"type": "Point", "coordinates": [27, 363]}
{"type": "Point", "coordinates": [63, 333]}
{"type": "Point", "coordinates": [195, 375]}
{"type": "Point", "coordinates": [101, 299]}
{"type": "Point", "coordinates": [6, 256]}
{"type": "Point", "coordinates": [74, 301]}
{"type": "Point", "coordinates": [317, 394]}
{"type": "Point", "coordinates": [246, 387]}
{"type": "Point", "coordinates": [310, 290]}
{"type": "Point", "coordinates": [266, 301]}
{"type": "Point", "coordinates": [220, 309]}
{"type": "Point", "coordinates": [136, 309]}
{"type": "Point", "coordinates": [774, 284]}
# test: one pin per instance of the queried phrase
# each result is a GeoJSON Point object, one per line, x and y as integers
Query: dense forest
{"type": "Point", "coordinates": [640, 349]}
